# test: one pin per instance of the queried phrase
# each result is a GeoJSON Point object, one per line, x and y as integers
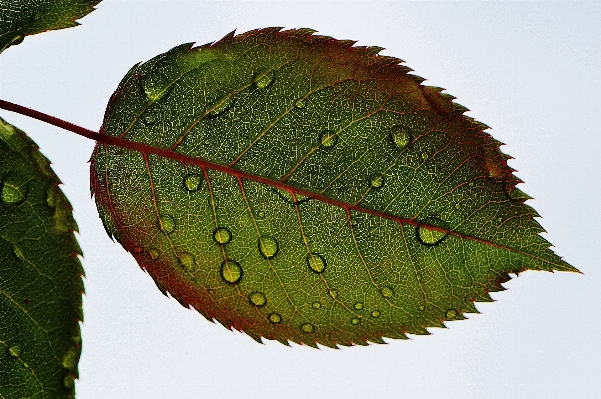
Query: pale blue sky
{"type": "Point", "coordinates": [528, 69]}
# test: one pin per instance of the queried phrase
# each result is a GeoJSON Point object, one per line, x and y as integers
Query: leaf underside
{"type": "Point", "coordinates": [314, 191]}
{"type": "Point", "coordinates": [40, 275]}
{"type": "Point", "coordinates": [20, 18]}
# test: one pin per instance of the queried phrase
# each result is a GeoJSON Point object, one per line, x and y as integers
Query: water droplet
{"type": "Point", "coordinates": [223, 105]}
{"type": "Point", "coordinates": [14, 351]}
{"type": "Point", "coordinates": [136, 250]}
{"type": "Point", "coordinates": [355, 321]}
{"type": "Point", "coordinates": [421, 308]}
{"type": "Point", "coordinates": [316, 262]}
{"type": "Point", "coordinates": [222, 235]}
{"type": "Point", "coordinates": [328, 138]}
{"type": "Point", "coordinates": [257, 298]}
{"type": "Point", "coordinates": [333, 293]}
{"type": "Point", "coordinates": [50, 197]}
{"type": "Point", "coordinates": [457, 206]}
{"type": "Point", "coordinates": [268, 246]}
{"type": "Point", "coordinates": [499, 220]}
{"type": "Point", "coordinates": [231, 271]}
{"type": "Point", "coordinates": [18, 253]}
{"type": "Point", "coordinates": [375, 313]}
{"type": "Point", "coordinates": [187, 261]}
{"type": "Point", "coordinates": [386, 292]}
{"type": "Point", "coordinates": [149, 118]}
{"type": "Point", "coordinates": [261, 215]}
{"type": "Point", "coordinates": [307, 328]}
{"type": "Point", "coordinates": [317, 305]}
{"type": "Point", "coordinates": [471, 184]}
{"type": "Point", "coordinates": [376, 181]}
{"type": "Point", "coordinates": [359, 305]}
{"type": "Point", "coordinates": [430, 237]}
{"type": "Point", "coordinates": [154, 253]}
{"type": "Point", "coordinates": [11, 195]}
{"type": "Point", "coordinates": [167, 224]}
{"type": "Point", "coordinates": [70, 359]}
{"type": "Point", "coordinates": [69, 381]}
{"type": "Point", "coordinates": [275, 318]}
{"type": "Point", "coordinates": [425, 156]}
{"type": "Point", "coordinates": [264, 80]}
{"type": "Point", "coordinates": [451, 314]}
{"type": "Point", "coordinates": [400, 136]}
{"type": "Point", "coordinates": [300, 103]}
{"type": "Point", "coordinates": [193, 182]}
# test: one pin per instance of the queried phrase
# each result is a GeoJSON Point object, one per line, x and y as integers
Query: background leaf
{"type": "Point", "coordinates": [40, 275]}
{"type": "Point", "coordinates": [323, 195]}
{"type": "Point", "coordinates": [20, 18]}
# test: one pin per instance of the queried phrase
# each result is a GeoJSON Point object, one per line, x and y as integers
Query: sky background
{"type": "Point", "coordinates": [531, 70]}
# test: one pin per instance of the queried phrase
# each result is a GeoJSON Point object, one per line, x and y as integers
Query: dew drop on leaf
{"type": "Point", "coordinates": [425, 156]}
{"type": "Point", "coordinates": [222, 235]}
{"type": "Point", "coordinates": [451, 314]}
{"type": "Point", "coordinates": [400, 136]}
{"type": "Point", "coordinates": [307, 328]}
{"type": "Point", "coordinates": [333, 293]}
{"type": "Point", "coordinates": [300, 103]}
{"type": "Point", "coordinates": [359, 305]}
{"type": "Point", "coordinates": [317, 305]}
{"type": "Point", "coordinates": [260, 215]}
{"type": "Point", "coordinates": [257, 298]}
{"type": "Point", "coordinates": [231, 271]}
{"type": "Point", "coordinates": [18, 253]}
{"type": "Point", "coordinates": [421, 308]}
{"type": "Point", "coordinates": [268, 246]}
{"type": "Point", "coordinates": [375, 313]}
{"type": "Point", "coordinates": [264, 80]}
{"type": "Point", "coordinates": [14, 351]}
{"type": "Point", "coordinates": [275, 318]}
{"type": "Point", "coordinates": [221, 106]}
{"type": "Point", "coordinates": [11, 195]}
{"type": "Point", "coordinates": [355, 321]}
{"type": "Point", "coordinates": [386, 292]}
{"type": "Point", "coordinates": [376, 181]}
{"type": "Point", "coordinates": [316, 262]}
{"type": "Point", "coordinates": [167, 224]}
{"type": "Point", "coordinates": [328, 138]}
{"type": "Point", "coordinates": [192, 182]}
{"type": "Point", "coordinates": [431, 237]}
{"type": "Point", "coordinates": [187, 261]}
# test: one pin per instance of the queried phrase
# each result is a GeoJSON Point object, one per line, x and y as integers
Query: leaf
{"type": "Point", "coordinates": [40, 275]}
{"type": "Point", "coordinates": [300, 189]}
{"type": "Point", "coordinates": [20, 18]}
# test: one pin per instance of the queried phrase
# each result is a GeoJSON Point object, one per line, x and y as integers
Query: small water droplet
{"type": "Point", "coordinates": [275, 318]}
{"type": "Point", "coordinates": [471, 184]}
{"type": "Point", "coordinates": [431, 237]}
{"type": "Point", "coordinates": [222, 235]}
{"type": "Point", "coordinates": [18, 253]}
{"type": "Point", "coordinates": [14, 351]}
{"type": "Point", "coordinates": [167, 224]}
{"type": "Point", "coordinates": [51, 197]}
{"type": "Point", "coordinates": [499, 220]}
{"type": "Point", "coordinates": [261, 215]}
{"type": "Point", "coordinates": [375, 313]}
{"type": "Point", "coordinates": [223, 105]}
{"type": "Point", "coordinates": [149, 118]}
{"type": "Point", "coordinates": [421, 308]}
{"type": "Point", "coordinates": [136, 250]}
{"type": "Point", "coordinates": [300, 103]}
{"type": "Point", "coordinates": [457, 206]}
{"type": "Point", "coordinates": [317, 305]}
{"type": "Point", "coordinates": [400, 136]}
{"type": "Point", "coordinates": [154, 253]}
{"type": "Point", "coordinates": [307, 328]}
{"type": "Point", "coordinates": [328, 138]}
{"type": "Point", "coordinates": [333, 293]}
{"type": "Point", "coordinates": [425, 156]}
{"type": "Point", "coordinates": [187, 261]}
{"type": "Point", "coordinates": [69, 381]}
{"type": "Point", "coordinates": [386, 292]}
{"type": "Point", "coordinates": [11, 195]}
{"type": "Point", "coordinates": [257, 298]}
{"type": "Point", "coordinates": [376, 181]}
{"type": "Point", "coordinates": [231, 271]}
{"type": "Point", "coordinates": [355, 321]}
{"type": "Point", "coordinates": [359, 305]}
{"type": "Point", "coordinates": [193, 182]}
{"type": "Point", "coordinates": [268, 246]}
{"type": "Point", "coordinates": [316, 262]}
{"type": "Point", "coordinates": [451, 314]}
{"type": "Point", "coordinates": [263, 81]}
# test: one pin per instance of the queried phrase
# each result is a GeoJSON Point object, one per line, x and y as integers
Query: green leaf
{"type": "Point", "coordinates": [20, 18]}
{"type": "Point", "coordinates": [40, 275]}
{"type": "Point", "coordinates": [300, 189]}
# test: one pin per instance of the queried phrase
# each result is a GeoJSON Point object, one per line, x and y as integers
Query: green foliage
{"type": "Point", "coordinates": [40, 275]}
{"type": "Point", "coordinates": [20, 18]}
{"type": "Point", "coordinates": [315, 192]}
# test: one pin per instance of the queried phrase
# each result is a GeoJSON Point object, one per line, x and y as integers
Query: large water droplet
{"type": "Point", "coordinates": [14, 351]}
{"type": "Point", "coordinates": [400, 136]}
{"type": "Point", "coordinates": [376, 181]}
{"type": "Point", "coordinates": [316, 262]}
{"type": "Point", "coordinates": [222, 106]}
{"type": "Point", "coordinates": [328, 138]}
{"type": "Point", "coordinates": [355, 321]}
{"type": "Point", "coordinates": [231, 271]}
{"type": "Point", "coordinates": [358, 305]}
{"type": "Point", "coordinates": [451, 314]}
{"type": "Point", "coordinates": [257, 298]}
{"type": "Point", "coordinates": [11, 195]}
{"type": "Point", "coordinates": [375, 313]}
{"type": "Point", "coordinates": [317, 305]}
{"type": "Point", "coordinates": [187, 261]}
{"type": "Point", "coordinates": [307, 328]}
{"type": "Point", "coordinates": [386, 292]}
{"type": "Point", "coordinates": [300, 103]}
{"type": "Point", "coordinates": [428, 236]}
{"type": "Point", "coordinates": [167, 224]}
{"type": "Point", "coordinates": [193, 182]}
{"type": "Point", "coordinates": [222, 235]}
{"type": "Point", "coordinates": [264, 80]}
{"type": "Point", "coordinates": [268, 246]}
{"type": "Point", "coordinates": [275, 318]}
